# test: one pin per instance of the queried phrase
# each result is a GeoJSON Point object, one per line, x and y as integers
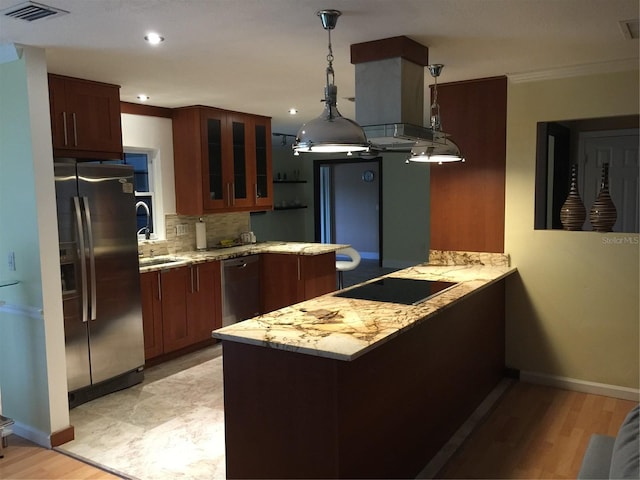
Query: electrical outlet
{"type": "Point", "coordinates": [181, 229]}
{"type": "Point", "coordinates": [11, 261]}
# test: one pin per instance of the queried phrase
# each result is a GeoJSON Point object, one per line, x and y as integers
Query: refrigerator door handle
{"type": "Point", "coordinates": [83, 260]}
{"type": "Point", "coordinates": [92, 257]}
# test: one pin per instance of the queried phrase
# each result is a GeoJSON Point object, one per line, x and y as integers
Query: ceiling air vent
{"type": "Point", "coordinates": [629, 28]}
{"type": "Point", "coordinates": [31, 11]}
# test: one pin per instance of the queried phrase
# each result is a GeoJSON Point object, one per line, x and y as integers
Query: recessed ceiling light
{"type": "Point", "coordinates": [143, 98]}
{"type": "Point", "coordinates": [153, 38]}
{"type": "Point", "coordinates": [293, 111]}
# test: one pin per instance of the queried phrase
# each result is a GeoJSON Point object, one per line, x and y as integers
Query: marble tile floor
{"type": "Point", "coordinates": [170, 426]}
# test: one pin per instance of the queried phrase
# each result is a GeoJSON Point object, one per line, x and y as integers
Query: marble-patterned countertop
{"type": "Point", "coordinates": [346, 328]}
{"type": "Point", "coordinates": [188, 258]}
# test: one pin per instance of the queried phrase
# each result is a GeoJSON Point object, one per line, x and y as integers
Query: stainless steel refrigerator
{"type": "Point", "coordinates": [100, 278]}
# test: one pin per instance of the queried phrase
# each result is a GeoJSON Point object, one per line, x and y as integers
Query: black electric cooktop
{"type": "Point", "coordinates": [397, 290]}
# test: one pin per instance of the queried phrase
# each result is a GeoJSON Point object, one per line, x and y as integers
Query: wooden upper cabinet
{"type": "Point", "coordinates": [263, 187]}
{"type": "Point", "coordinates": [85, 118]}
{"type": "Point", "coordinates": [222, 161]}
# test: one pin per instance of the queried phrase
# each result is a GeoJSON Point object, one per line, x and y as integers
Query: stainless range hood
{"type": "Point", "coordinates": [390, 93]}
{"type": "Point", "coordinates": [400, 137]}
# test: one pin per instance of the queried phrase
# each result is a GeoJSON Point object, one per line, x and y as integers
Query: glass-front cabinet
{"type": "Point", "coordinates": [262, 148]}
{"type": "Point", "coordinates": [226, 166]}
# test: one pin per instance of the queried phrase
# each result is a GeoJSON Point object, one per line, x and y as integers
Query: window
{"type": "Point", "coordinates": [143, 181]}
{"type": "Point", "coordinates": [143, 184]}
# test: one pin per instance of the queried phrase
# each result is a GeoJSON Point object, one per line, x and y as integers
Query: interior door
{"type": "Point", "coordinates": [619, 148]}
{"type": "Point", "coordinates": [348, 205]}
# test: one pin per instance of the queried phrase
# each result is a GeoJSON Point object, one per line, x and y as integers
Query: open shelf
{"type": "Point", "coordinates": [292, 207]}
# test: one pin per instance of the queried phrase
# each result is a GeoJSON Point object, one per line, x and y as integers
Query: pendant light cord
{"type": "Point", "coordinates": [330, 72]}
{"type": "Point", "coordinates": [435, 118]}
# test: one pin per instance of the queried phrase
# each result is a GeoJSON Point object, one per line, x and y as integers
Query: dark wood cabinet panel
{"type": "Point", "coordinates": [204, 303]}
{"type": "Point", "coordinates": [222, 161]}
{"type": "Point", "coordinates": [280, 284]}
{"type": "Point", "coordinates": [151, 299]}
{"type": "Point", "coordinates": [468, 199]}
{"type": "Point", "coordinates": [318, 274]}
{"type": "Point", "coordinates": [287, 279]}
{"type": "Point", "coordinates": [176, 330]}
{"type": "Point", "coordinates": [85, 118]}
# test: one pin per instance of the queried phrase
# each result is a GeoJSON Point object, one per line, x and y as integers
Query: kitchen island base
{"type": "Point", "coordinates": [384, 414]}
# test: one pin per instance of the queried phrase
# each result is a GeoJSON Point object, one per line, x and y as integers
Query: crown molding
{"type": "Point", "coordinates": [575, 71]}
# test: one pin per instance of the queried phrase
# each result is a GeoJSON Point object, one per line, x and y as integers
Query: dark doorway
{"type": "Point", "coordinates": [348, 204]}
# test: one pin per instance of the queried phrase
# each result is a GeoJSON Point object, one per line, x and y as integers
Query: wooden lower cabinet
{"type": "Point", "coordinates": [180, 307]}
{"type": "Point", "coordinates": [204, 306]}
{"type": "Point", "coordinates": [151, 298]}
{"type": "Point", "coordinates": [286, 279]}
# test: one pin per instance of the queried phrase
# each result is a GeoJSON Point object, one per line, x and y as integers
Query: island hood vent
{"type": "Point", "coordinates": [390, 94]}
{"type": "Point", "coordinates": [32, 11]}
{"type": "Point", "coordinates": [399, 137]}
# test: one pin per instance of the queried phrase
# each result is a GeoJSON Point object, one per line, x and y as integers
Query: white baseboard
{"type": "Point", "coordinates": [594, 388]}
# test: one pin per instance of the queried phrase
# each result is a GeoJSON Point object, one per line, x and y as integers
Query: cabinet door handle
{"type": "Point", "coordinates": [299, 269]}
{"type": "Point", "coordinates": [233, 194]}
{"type": "Point", "coordinates": [64, 128]}
{"type": "Point", "coordinates": [75, 130]}
{"type": "Point", "coordinates": [191, 272]}
{"type": "Point", "coordinates": [159, 286]}
{"type": "Point", "coordinates": [255, 187]}
{"type": "Point", "coordinates": [197, 278]}
{"type": "Point", "coordinates": [228, 194]}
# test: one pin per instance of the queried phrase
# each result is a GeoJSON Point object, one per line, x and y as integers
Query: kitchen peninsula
{"type": "Point", "coordinates": [339, 387]}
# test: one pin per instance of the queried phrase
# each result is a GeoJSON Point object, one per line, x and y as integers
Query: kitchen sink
{"type": "Point", "coordinates": [168, 260]}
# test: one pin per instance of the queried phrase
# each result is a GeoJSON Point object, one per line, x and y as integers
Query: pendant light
{"type": "Point", "coordinates": [330, 132]}
{"type": "Point", "coordinates": [442, 149]}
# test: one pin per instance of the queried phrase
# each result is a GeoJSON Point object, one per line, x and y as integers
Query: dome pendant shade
{"type": "Point", "coordinates": [442, 149]}
{"type": "Point", "coordinates": [331, 132]}
{"type": "Point", "coordinates": [436, 153]}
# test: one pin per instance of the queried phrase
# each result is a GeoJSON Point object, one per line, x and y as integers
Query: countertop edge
{"type": "Point", "coordinates": [285, 248]}
{"type": "Point", "coordinates": [483, 283]}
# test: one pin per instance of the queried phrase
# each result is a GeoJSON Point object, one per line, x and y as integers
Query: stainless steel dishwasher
{"type": "Point", "coordinates": [240, 289]}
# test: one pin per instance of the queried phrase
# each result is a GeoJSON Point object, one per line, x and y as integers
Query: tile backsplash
{"type": "Point", "coordinates": [220, 226]}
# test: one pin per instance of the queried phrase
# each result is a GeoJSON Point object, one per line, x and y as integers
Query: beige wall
{"type": "Point", "coordinates": [573, 311]}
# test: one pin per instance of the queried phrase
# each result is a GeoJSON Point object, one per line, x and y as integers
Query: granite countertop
{"type": "Point", "coordinates": [346, 328]}
{"type": "Point", "coordinates": [188, 258]}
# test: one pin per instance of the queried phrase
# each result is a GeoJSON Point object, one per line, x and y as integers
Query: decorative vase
{"type": "Point", "coordinates": [603, 212]}
{"type": "Point", "coordinates": [572, 212]}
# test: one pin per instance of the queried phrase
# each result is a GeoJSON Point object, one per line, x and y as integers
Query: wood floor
{"type": "Point", "coordinates": [25, 460]}
{"type": "Point", "coordinates": [536, 432]}
{"type": "Point", "coordinates": [533, 432]}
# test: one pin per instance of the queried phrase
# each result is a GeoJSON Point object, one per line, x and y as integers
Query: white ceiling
{"type": "Point", "coordinates": [265, 56]}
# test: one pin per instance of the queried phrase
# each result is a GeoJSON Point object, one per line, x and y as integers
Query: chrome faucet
{"type": "Point", "coordinates": [146, 230]}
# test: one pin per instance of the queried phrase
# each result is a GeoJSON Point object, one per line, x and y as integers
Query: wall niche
{"type": "Point", "coordinates": [588, 143]}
